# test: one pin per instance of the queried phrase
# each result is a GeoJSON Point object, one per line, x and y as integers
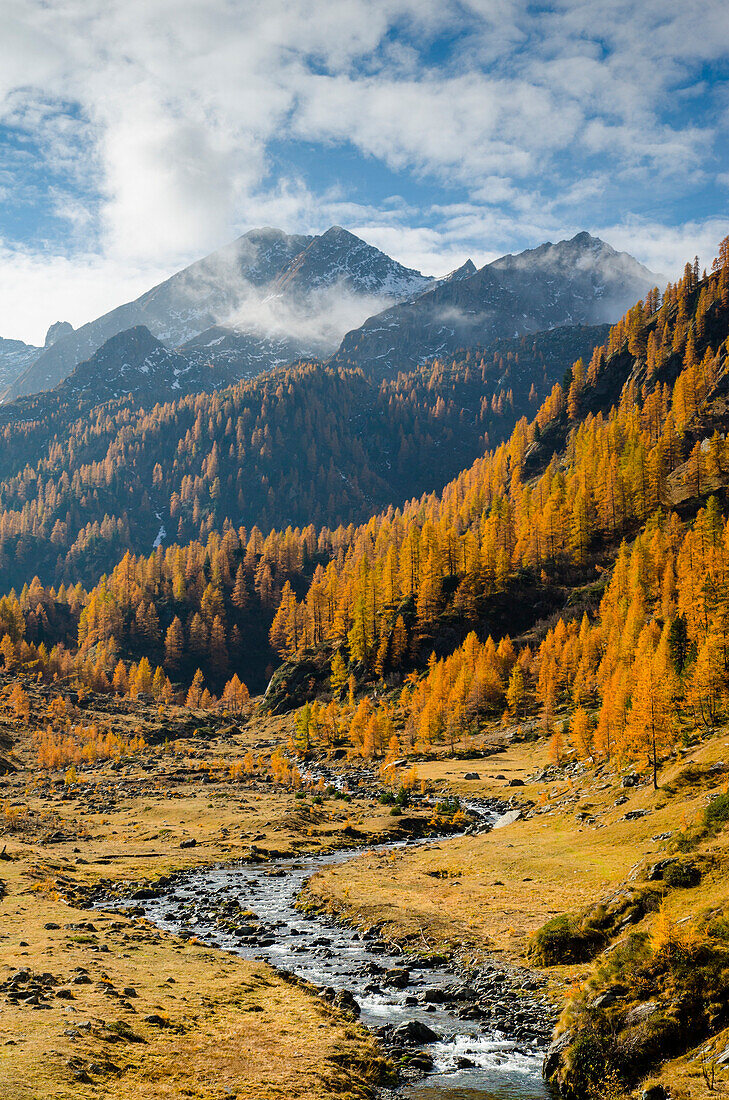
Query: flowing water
{"type": "Point", "coordinates": [470, 1062]}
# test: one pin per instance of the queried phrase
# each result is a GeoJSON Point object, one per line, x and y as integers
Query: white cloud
{"type": "Point", "coordinates": [666, 249]}
{"type": "Point", "coordinates": [426, 249]}
{"type": "Point", "coordinates": [167, 111]}
{"type": "Point", "coordinates": [37, 289]}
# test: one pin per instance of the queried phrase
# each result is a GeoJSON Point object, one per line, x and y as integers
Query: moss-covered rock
{"type": "Point", "coordinates": [297, 682]}
{"type": "Point", "coordinates": [650, 998]}
{"type": "Point", "coordinates": [563, 940]}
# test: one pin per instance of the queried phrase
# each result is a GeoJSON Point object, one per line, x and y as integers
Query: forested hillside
{"type": "Point", "coordinates": [522, 521]}
{"type": "Point", "coordinates": [304, 445]}
{"type": "Point", "coordinates": [565, 599]}
{"type": "Point", "coordinates": [554, 501]}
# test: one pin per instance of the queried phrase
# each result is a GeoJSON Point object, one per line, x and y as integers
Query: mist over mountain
{"type": "Point", "coordinates": [582, 281]}
{"type": "Point", "coordinates": [270, 298]}
{"type": "Point", "coordinates": [281, 294]}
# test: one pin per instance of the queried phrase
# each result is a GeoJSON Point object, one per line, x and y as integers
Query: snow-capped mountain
{"type": "Point", "coordinates": [335, 283]}
{"type": "Point", "coordinates": [582, 281]}
{"type": "Point", "coordinates": [270, 289]}
{"type": "Point", "coordinates": [15, 358]}
{"type": "Point", "coordinates": [340, 259]}
{"type": "Point", "coordinates": [134, 362]}
{"type": "Point", "coordinates": [269, 298]}
{"type": "Point", "coordinates": [224, 355]}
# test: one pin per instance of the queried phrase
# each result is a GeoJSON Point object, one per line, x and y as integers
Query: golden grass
{"type": "Point", "coordinates": [235, 1027]}
{"type": "Point", "coordinates": [490, 892]}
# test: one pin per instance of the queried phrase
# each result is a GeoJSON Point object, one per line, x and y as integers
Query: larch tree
{"type": "Point", "coordinates": [651, 729]}
{"type": "Point", "coordinates": [339, 675]}
{"type": "Point", "coordinates": [516, 692]}
{"type": "Point", "coordinates": [174, 645]}
{"type": "Point", "coordinates": [582, 734]}
{"type": "Point", "coordinates": [194, 695]}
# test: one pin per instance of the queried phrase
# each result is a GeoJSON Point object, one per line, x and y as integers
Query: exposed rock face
{"type": "Point", "coordinates": [130, 362]}
{"type": "Point", "coordinates": [271, 297]}
{"type": "Point", "coordinates": [15, 358]}
{"type": "Point", "coordinates": [56, 331]}
{"type": "Point", "coordinates": [580, 281]}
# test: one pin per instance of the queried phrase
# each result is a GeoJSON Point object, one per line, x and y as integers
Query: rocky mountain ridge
{"type": "Point", "coordinates": [275, 290]}
{"type": "Point", "coordinates": [582, 281]}
{"type": "Point", "coordinates": [270, 298]}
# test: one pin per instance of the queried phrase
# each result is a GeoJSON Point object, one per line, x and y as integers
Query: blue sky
{"type": "Point", "coordinates": [137, 136]}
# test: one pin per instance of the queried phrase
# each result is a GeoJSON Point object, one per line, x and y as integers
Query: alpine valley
{"type": "Point", "coordinates": [364, 682]}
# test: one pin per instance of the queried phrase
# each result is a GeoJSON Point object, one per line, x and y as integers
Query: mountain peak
{"type": "Point", "coordinates": [133, 361]}
{"type": "Point", "coordinates": [339, 258]}
{"type": "Point", "coordinates": [463, 272]}
{"type": "Point", "coordinates": [581, 281]}
{"type": "Point", "coordinates": [586, 240]}
{"type": "Point", "coordinates": [56, 331]}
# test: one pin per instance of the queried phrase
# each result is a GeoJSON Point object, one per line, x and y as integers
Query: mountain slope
{"type": "Point", "coordinates": [222, 355]}
{"type": "Point", "coordinates": [581, 281]}
{"type": "Point", "coordinates": [131, 362]}
{"type": "Point", "coordinates": [15, 357]}
{"type": "Point", "coordinates": [100, 462]}
{"type": "Point", "coordinates": [278, 291]}
{"type": "Point", "coordinates": [335, 282]}
{"type": "Point", "coordinates": [640, 429]}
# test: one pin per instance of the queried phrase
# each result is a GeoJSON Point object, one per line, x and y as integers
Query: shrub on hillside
{"type": "Point", "coordinates": [563, 940]}
{"type": "Point", "coordinates": [717, 812]}
{"type": "Point", "coordinates": [682, 875]}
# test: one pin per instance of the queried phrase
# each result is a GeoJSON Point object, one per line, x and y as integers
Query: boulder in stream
{"type": "Point", "coordinates": [346, 1002]}
{"type": "Point", "coordinates": [414, 1033]}
{"type": "Point", "coordinates": [396, 978]}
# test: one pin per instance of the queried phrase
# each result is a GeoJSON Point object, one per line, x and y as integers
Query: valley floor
{"type": "Point", "coordinates": [96, 1003]}
{"type": "Point", "coordinates": [582, 837]}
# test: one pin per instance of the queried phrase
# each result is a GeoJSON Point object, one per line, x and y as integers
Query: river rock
{"type": "Point", "coordinates": [414, 1033]}
{"type": "Point", "coordinates": [421, 1061]}
{"type": "Point", "coordinates": [396, 978]}
{"type": "Point", "coordinates": [553, 1057]}
{"type": "Point", "coordinates": [346, 1002]}
{"type": "Point", "coordinates": [435, 996]}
